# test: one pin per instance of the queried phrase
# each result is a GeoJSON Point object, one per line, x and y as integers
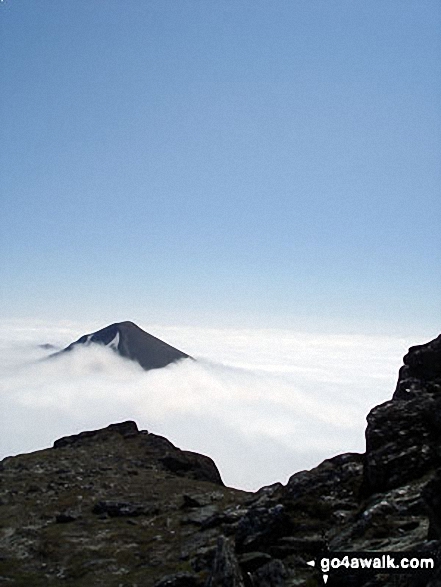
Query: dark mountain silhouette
{"type": "Point", "coordinates": [131, 342]}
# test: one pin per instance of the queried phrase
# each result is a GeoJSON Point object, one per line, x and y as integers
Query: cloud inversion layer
{"type": "Point", "coordinates": [262, 403]}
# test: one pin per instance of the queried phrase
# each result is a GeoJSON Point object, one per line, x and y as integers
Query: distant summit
{"type": "Point", "coordinates": [131, 342]}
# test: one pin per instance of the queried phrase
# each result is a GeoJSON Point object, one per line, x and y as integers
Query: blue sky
{"type": "Point", "coordinates": [222, 162]}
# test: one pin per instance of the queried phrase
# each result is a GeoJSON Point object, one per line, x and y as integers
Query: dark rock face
{"type": "Point", "coordinates": [402, 441]}
{"type": "Point", "coordinates": [225, 571]}
{"type": "Point", "coordinates": [119, 506]}
{"type": "Point", "coordinates": [200, 467]}
{"type": "Point", "coordinates": [261, 526]}
{"type": "Point", "coordinates": [131, 342]}
{"type": "Point", "coordinates": [403, 435]}
{"type": "Point", "coordinates": [421, 372]}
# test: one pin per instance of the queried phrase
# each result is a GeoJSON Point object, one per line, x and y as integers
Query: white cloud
{"type": "Point", "coordinates": [262, 403]}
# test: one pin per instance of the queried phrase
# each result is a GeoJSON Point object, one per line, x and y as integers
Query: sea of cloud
{"type": "Point", "coordinates": [262, 403]}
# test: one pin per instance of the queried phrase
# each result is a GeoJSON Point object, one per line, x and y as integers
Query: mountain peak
{"type": "Point", "coordinates": [127, 324]}
{"type": "Point", "coordinates": [131, 342]}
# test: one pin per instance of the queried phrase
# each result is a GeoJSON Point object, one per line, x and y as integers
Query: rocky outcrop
{"type": "Point", "coordinates": [182, 463]}
{"type": "Point", "coordinates": [119, 506]}
{"type": "Point", "coordinates": [403, 436]}
{"type": "Point", "coordinates": [421, 372]}
{"type": "Point", "coordinates": [125, 429]}
{"type": "Point", "coordinates": [131, 342]}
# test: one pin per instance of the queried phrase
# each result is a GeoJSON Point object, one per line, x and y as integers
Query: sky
{"type": "Point", "coordinates": [255, 182]}
{"type": "Point", "coordinates": [253, 163]}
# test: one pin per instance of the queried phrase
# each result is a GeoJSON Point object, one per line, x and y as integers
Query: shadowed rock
{"type": "Point", "coordinates": [225, 571]}
{"type": "Point", "coordinates": [131, 342]}
{"type": "Point", "coordinates": [403, 435]}
{"type": "Point", "coordinates": [421, 372]}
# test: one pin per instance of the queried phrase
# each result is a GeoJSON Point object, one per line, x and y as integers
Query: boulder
{"type": "Point", "coordinates": [194, 465]}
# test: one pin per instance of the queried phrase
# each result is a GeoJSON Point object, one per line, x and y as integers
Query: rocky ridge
{"type": "Point", "coordinates": [122, 508]}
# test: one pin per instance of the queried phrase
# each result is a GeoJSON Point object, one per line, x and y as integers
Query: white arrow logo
{"type": "Point", "coordinates": [312, 564]}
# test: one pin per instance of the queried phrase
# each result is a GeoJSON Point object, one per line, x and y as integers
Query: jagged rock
{"type": "Point", "coordinates": [421, 372]}
{"type": "Point", "coordinates": [131, 342]}
{"type": "Point", "coordinates": [403, 435]}
{"type": "Point", "coordinates": [266, 494]}
{"type": "Point", "coordinates": [322, 503]}
{"type": "Point", "coordinates": [226, 571]}
{"type": "Point", "coordinates": [392, 520]}
{"type": "Point", "coordinates": [337, 480]}
{"type": "Point", "coordinates": [260, 526]}
{"type": "Point", "coordinates": [402, 439]}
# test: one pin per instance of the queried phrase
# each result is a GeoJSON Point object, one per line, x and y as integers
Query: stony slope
{"type": "Point", "coordinates": [119, 507]}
